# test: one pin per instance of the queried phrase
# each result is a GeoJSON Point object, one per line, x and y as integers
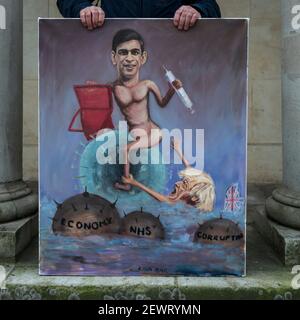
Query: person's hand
{"type": "Point", "coordinates": [177, 84]}
{"type": "Point", "coordinates": [186, 17]}
{"type": "Point", "coordinates": [92, 17]}
{"type": "Point", "coordinates": [129, 180]}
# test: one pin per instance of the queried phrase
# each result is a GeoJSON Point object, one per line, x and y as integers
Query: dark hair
{"type": "Point", "coordinates": [125, 35]}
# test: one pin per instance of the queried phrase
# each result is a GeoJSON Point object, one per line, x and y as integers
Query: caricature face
{"type": "Point", "coordinates": [181, 187]}
{"type": "Point", "coordinates": [129, 58]}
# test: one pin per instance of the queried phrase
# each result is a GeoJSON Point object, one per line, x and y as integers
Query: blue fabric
{"type": "Point", "coordinates": [139, 8]}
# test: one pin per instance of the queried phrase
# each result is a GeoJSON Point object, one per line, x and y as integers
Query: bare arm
{"type": "Point", "coordinates": [162, 101]}
{"type": "Point", "coordinates": [156, 195]}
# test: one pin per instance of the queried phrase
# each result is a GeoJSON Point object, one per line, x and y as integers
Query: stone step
{"type": "Point", "coordinates": [266, 278]}
{"type": "Point", "coordinates": [285, 241]}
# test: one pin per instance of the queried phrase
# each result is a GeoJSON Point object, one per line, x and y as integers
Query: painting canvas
{"type": "Point", "coordinates": [142, 150]}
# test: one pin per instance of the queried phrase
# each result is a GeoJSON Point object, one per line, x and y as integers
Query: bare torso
{"type": "Point", "coordinates": [133, 103]}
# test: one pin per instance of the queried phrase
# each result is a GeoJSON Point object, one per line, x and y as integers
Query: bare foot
{"type": "Point", "coordinates": [122, 186]}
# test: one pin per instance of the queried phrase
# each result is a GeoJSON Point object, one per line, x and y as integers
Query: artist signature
{"type": "Point", "coordinates": [149, 269]}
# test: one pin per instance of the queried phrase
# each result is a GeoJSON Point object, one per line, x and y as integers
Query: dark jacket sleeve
{"type": "Point", "coordinates": [207, 8]}
{"type": "Point", "coordinates": [72, 8]}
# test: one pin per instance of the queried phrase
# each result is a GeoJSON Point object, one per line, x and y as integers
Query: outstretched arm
{"type": "Point", "coordinates": [162, 101]}
{"type": "Point", "coordinates": [156, 195]}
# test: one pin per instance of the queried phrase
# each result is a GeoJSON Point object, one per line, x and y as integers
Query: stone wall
{"type": "Point", "coordinates": [265, 136]}
{"type": "Point", "coordinates": [265, 145]}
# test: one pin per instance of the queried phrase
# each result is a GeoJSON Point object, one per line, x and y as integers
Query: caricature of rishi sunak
{"type": "Point", "coordinates": [132, 94]}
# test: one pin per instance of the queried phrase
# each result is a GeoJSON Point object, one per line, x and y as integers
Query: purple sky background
{"type": "Point", "coordinates": [210, 60]}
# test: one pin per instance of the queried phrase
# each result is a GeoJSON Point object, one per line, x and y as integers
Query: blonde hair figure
{"type": "Point", "coordinates": [195, 188]}
{"type": "Point", "coordinates": [201, 189]}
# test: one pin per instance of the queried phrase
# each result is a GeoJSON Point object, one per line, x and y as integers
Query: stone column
{"type": "Point", "coordinates": [16, 199]}
{"type": "Point", "coordinates": [284, 205]}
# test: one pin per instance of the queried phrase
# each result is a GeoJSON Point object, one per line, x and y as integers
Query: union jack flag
{"type": "Point", "coordinates": [233, 201]}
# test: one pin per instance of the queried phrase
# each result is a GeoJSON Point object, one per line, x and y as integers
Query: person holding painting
{"type": "Point", "coordinates": [184, 13]}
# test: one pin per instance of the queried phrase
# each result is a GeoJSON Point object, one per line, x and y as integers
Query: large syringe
{"type": "Point", "coordinates": [181, 92]}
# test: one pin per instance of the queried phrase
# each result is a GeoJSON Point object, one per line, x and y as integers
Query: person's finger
{"type": "Point", "coordinates": [181, 21]}
{"type": "Point", "coordinates": [89, 21]}
{"type": "Point", "coordinates": [95, 17]}
{"type": "Point", "coordinates": [188, 20]}
{"type": "Point", "coordinates": [177, 17]}
{"type": "Point", "coordinates": [101, 19]}
{"type": "Point", "coordinates": [194, 19]}
{"type": "Point", "coordinates": [83, 18]}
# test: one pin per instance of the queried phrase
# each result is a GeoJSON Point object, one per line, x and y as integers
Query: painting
{"type": "Point", "coordinates": [143, 148]}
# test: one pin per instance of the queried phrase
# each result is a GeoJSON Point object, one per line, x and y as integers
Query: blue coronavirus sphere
{"type": "Point", "coordinates": [100, 177]}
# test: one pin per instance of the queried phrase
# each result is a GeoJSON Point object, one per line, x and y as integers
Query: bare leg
{"type": "Point", "coordinates": [125, 186]}
{"type": "Point", "coordinates": [176, 146]}
{"type": "Point", "coordinates": [144, 142]}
